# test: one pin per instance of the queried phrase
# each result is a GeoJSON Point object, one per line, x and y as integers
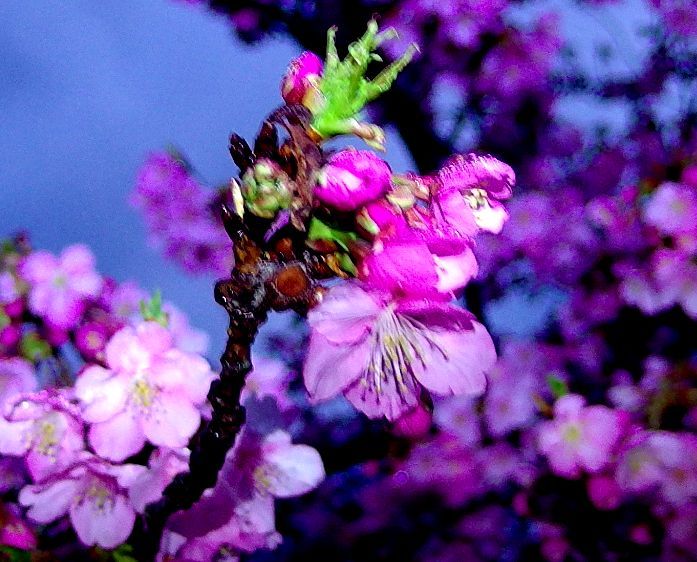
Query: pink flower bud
{"type": "Point", "coordinates": [302, 74]}
{"type": "Point", "coordinates": [353, 178]}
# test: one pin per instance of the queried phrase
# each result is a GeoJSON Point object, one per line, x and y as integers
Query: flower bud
{"type": "Point", "coordinates": [266, 189]}
{"type": "Point", "coordinates": [301, 78]}
{"type": "Point", "coordinates": [351, 179]}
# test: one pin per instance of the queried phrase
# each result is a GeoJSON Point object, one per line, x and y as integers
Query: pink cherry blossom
{"type": "Point", "coordinates": [163, 466]}
{"type": "Point", "coordinates": [381, 353]}
{"type": "Point", "coordinates": [150, 391]}
{"type": "Point", "coordinates": [672, 209]}
{"type": "Point", "coordinates": [270, 377]}
{"type": "Point", "coordinates": [663, 461]}
{"type": "Point", "coordinates": [14, 530]}
{"type": "Point", "coordinates": [351, 179]}
{"type": "Point", "coordinates": [45, 428]}
{"type": "Point", "coordinates": [458, 416]}
{"type": "Point", "coordinates": [238, 514]}
{"type": "Point", "coordinates": [580, 437]}
{"type": "Point", "coordinates": [303, 73]}
{"type": "Point", "coordinates": [93, 493]}
{"type": "Point", "coordinates": [60, 287]}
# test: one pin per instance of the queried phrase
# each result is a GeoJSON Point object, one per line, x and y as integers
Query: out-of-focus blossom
{"type": "Point", "coordinates": [14, 530]}
{"type": "Point", "coordinates": [163, 466]}
{"type": "Point", "coordinates": [180, 216]}
{"type": "Point", "coordinates": [95, 496]}
{"type": "Point", "coordinates": [380, 353]}
{"type": "Point", "coordinates": [17, 376]}
{"type": "Point", "coordinates": [580, 437]}
{"type": "Point", "coordinates": [270, 377]}
{"type": "Point", "coordinates": [672, 209]}
{"type": "Point", "coordinates": [662, 461]}
{"type": "Point", "coordinates": [415, 424]}
{"type": "Point", "coordinates": [238, 514]}
{"type": "Point", "coordinates": [60, 287]}
{"type": "Point", "coordinates": [150, 391]}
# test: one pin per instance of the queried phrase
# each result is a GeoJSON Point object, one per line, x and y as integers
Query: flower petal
{"type": "Point", "coordinates": [345, 315]}
{"type": "Point", "coordinates": [455, 361]}
{"type": "Point", "coordinates": [330, 368]}
{"type": "Point", "coordinates": [118, 438]}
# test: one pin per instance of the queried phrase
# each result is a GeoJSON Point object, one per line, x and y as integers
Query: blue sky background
{"type": "Point", "coordinates": [87, 89]}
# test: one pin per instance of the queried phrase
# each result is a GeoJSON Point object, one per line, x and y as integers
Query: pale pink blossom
{"type": "Point", "coordinates": [45, 429]}
{"type": "Point", "coordinates": [381, 353]}
{"type": "Point", "coordinates": [163, 466]}
{"type": "Point", "coordinates": [580, 437]}
{"type": "Point", "coordinates": [150, 391]}
{"type": "Point", "coordinates": [672, 209]}
{"type": "Point", "coordinates": [270, 377]}
{"type": "Point", "coordinates": [238, 514]}
{"type": "Point", "coordinates": [60, 287]}
{"type": "Point", "coordinates": [660, 461]}
{"type": "Point", "coordinates": [93, 493]}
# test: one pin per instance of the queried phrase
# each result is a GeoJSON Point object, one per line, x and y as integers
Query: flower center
{"type": "Point", "coordinates": [572, 434]}
{"type": "Point", "coordinates": [397, 344]}
{"type": "Point", "coordinates": [143, 394]}
{"type": "Point", "coordinates": [46, 438]}
{"type": "Point", "coordinates": [99, 494]}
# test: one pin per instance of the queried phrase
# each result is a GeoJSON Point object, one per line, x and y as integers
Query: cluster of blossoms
{"type": "Point", "coordinates": [102, 388]}
{"type": "Point", "coordinates": [583, 446]}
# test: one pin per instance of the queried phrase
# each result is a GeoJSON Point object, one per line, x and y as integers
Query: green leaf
{"type": "Point", "coordinates": [14, 554]}
{"type": "Point", "coordinates": [321, 231]}
{"type": "Point", "coordinates": [557, 385]}
{"type": "Point", "coordinates": [344, 88]}
{"type": "Point", "coordinates": [123, 553]}
{"type": "Point", "coordinates": [152, 310]}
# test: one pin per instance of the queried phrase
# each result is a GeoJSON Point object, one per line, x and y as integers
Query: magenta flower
{"type": "Point", "coordinates": [93, 493]}
{"type": "Point", "coordinates": [150, 391]}
{"type": "Point", "coordinates": [672, 209]}
{"type": "Point", "coordinates": [179, 214]}
{"type": "Point", "coordinates": [415, 256]}
{"type": "Point", "coordinates": [238, 514]}
{"type": "Point", "coordinates": [580, 437]}
{"type": "Point", "coordinates": [14, 530]}
{"type": "Point", "coordinates": [381, 353]}
{"type": "Point", "coordinates": [302, 75]}
{"type": "Point", "coordinates": [59, 288]}
{"type": "Point", "coordinates": [469, 190]}
{"type": "Point", "coordinates": [45, 428]}
{"type": "Point", "coordinates": [351, 179]}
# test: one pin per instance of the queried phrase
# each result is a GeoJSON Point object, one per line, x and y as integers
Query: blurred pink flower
{"type": "Point", "coordinates": [95, 496]}
{"type": "Point", "coordinates": [150, 391]}
{"type": "Point", "coordinates": [672, 209]}
{"type": "Point", "coordinates": [381, 353]}
{"type": "Point", "coordinates": [580, 437]}
{"type": "Point", "coordinates": [59, 288]}
{"type": "Point", "coordinates": [238, 514]}
{"type": "Point", "coordinates": [15, 532]}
